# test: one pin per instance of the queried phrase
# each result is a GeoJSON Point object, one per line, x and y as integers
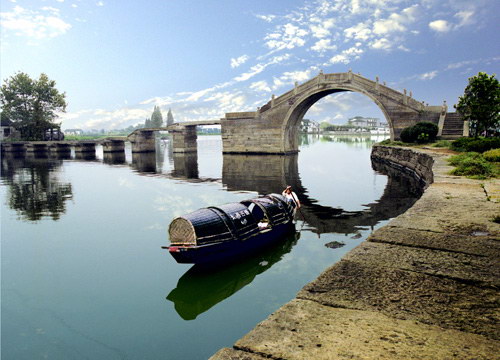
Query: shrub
{"type": "Point", "coordinates": [476, 144]}
{"type": "Point", "coordinates": [492, 155]}
{"type": "Point", "coordinates": [482, 145]}
{"type": "Point", "coordinates": [406, 135]}
{"type": "Point", "coordinates": [421, 132]}
{"type": "Point", "coordinates": [427, 128]}
{"type": "Point", "coordinates": [471, 165]}
{"type": "Point", "coordinates": [461, 144]}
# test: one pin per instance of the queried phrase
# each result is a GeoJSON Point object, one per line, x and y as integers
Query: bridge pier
{"type": "Point", "coordinates": [184, 139]}
{"type": "Point", "coordinates": [85, 147]}
{"type": "Point", "coordinates": [36, 147]}
{"type": "Point", "coordinates": [143, 141]}
{"type": "Point", "coordinates": [113, 145]}
{"type": "Point", "coordinates": [59, 148]}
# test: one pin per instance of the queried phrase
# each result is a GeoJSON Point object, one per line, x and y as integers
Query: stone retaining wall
{"type": "Point", "coordinates": [410, 161]}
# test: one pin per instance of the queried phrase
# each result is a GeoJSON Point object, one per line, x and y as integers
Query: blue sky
{"type": "Point", "coordinates": [116, 60]}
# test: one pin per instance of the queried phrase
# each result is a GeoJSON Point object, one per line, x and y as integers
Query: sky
{"type": "Point", "coordinates": [116, 60]}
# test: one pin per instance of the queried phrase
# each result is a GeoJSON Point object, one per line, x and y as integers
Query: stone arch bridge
{"type": "Point", "coordinates": [273, 128]}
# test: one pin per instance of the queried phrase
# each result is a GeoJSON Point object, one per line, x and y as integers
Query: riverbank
{"type": "Point", "coordinates": [425, 286]}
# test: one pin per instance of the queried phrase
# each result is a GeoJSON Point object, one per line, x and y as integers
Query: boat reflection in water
{"type": "Point", "coordinates": [200, 288]}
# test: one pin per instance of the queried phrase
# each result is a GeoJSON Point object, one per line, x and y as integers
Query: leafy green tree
{"type": "Point", "coordinates": [156, 118]}
{"type": "Point", "coordinates": [170, 117]}
{"type": "Point", "coordinates": [147, 123]}
{"type": "Point", "coordinates": [32, 105]}
{"type": "Point", "coordinates": [480, 104]}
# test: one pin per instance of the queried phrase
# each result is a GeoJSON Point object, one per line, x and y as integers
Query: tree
{"type": "Point", "coordinates": [147, 123]}
{"type": "Point", "coordinates": [32, 105]}
{"type": "Point", "coordinates": [170, 118]}
{"type": "Point", "coordinates": [156, 118]}
{"type": "Point", "coordinates": [480, 104]}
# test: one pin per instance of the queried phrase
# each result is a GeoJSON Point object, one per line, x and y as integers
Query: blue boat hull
{"type": "Point", "coordinates": [229, 250]}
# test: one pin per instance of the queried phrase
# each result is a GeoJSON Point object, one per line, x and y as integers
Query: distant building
{"type": "Point", "coordinates": [309, 126]}
{"type": "Point", "coordinates": [73, 131]}
{"type": "Point", "coordinates": [7, 131]}
{"type": "Point", "coordinates": [365, 122]}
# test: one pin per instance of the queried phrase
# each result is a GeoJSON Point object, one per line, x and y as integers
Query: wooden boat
{"type": "Point", "coordinates": [226, 232]}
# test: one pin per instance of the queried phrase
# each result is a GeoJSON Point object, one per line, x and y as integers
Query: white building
{"type": "Point", "coordinates": [366, 122]}
{"type": "Point", "coordinates": [73, 131]}
{"type": "Point", "coordinates": [309, 126]}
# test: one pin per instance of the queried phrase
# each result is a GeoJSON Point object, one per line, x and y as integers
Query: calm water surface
{"type": "Point", "coordinates": [83, 274]}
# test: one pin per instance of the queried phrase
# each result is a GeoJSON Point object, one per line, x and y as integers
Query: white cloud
{"type": "Point", "coordinates": [235, 62]}
{"type": "Point", "coordinates": [290, 77]}
{"type": "Point", "coordinates": [396, 22]}
{"type": "Point", "coordinates": [346, 56]}
{"type": "Point", "coordinates": [381, 44]}
{"type": "Point", "coordinates": [288, 36]}
{"type": "Point", "coordinates": [260, 86]}
{"type": "Point", "coordinates": [465, 17]}
{"type": "Point", "coordinates": [428, 75]}
{"type": "Point", "coordinates": [440, 25]}
{"type": "Point", "coordinates": [258, 68]}
{"type": "Point", "coordinates": [460, 64]}
{"type": "Point", "coordinates": [254, 70]}
{"type": "Point", "coordinates": [360, 31]}
{"type": "Point", "coordinates": [267, 18]}
{"type": "Point", "coordinates": [323, 45]}
{"type": "Point", "coordinates": [100, 3]}
{"type": "Point", "coordinates": [34, 24]}
{"type": "Point", "coordinates": [100, 118]}
{"type": "Point", "coordinates": [228, 101]}
{"type": "Point", "coordinates": [322, 30]}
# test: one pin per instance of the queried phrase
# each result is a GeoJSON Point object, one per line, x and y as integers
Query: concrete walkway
{"type": "Point", "coordinates": [426, 286]}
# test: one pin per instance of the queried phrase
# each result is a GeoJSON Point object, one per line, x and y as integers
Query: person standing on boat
{"type": "Point", "coordinates": [291, 198]}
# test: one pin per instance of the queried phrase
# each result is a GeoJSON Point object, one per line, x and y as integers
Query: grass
{"type": "Point", "coordinates": [442, 144]}
{"type": "Point", "coordinates": [394, 143]}
{"type": "Point", "coordinates": [473, 165]}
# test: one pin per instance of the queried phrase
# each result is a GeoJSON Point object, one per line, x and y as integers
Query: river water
{"type": "Point", "coordinates": [83, 272]}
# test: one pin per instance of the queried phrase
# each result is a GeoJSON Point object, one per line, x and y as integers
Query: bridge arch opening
{"type": "Point", "coordinates": [338, 97]}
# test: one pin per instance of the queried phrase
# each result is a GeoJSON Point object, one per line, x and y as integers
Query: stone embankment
{"type": "Point", "coordinates": [425, 286]}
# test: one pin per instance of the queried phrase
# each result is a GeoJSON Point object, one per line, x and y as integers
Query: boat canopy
{"type": "Point", "coordinates": [274, 208]}
{"type": "Point", "coordinates": [213, 224]}
{"type": "Point", "coordinates": [235, 221]}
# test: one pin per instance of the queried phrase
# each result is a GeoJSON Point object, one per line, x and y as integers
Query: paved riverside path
{"type": "Point", "coordinates": [425, 286]}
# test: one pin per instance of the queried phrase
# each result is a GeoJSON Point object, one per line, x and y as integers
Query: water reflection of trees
{"type": "Point", "coordinates": [199, 289]}
{"type": "Point", "coordinates": [34, 187]}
